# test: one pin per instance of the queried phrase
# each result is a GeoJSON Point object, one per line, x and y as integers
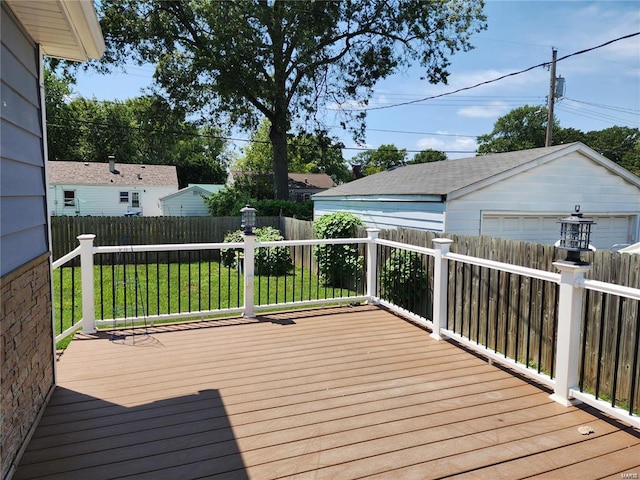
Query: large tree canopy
{"type": "Point", "coordinates": [525, 127]}
{"type": "Point", "coordinates": [307, 153]}
{"type": "Point", "coordinates": [282, 60]}
{"type": "Point", "coordinates": [374, 161]}
{"type": "Point", "coordinates": [137, 130]}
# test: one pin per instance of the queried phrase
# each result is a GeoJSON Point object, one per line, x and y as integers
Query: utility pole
{"type": "Point", "coordinates": [552, 96]}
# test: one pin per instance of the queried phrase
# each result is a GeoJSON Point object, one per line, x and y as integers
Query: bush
{"type": "Point", "coordinates": [286, 208]}
{"type": "Point", "coordinates": [227, 202]}
{"type": "Point", "coordinates": [338, 265]}
{"type": "Point", "coordinates": [404, 280]}
{"type": "Point", "coordinates": [268, 260]}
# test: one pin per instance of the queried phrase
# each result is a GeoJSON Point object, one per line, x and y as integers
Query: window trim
{"type": "Point", "coordinates": [71, 201]}
{"type": "Point", "coordinates": [124, 197]}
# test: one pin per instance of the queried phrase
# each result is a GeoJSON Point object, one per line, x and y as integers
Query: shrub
{"type": "Point", "coordinates": [404, 279]}
{"type": "Point", "coordinates": [338, 265]}
{"type": "Point", "coordinates": [268, 260]}
{"type": "Point", "coordinates": [286, 208]}
{"type": "Point", "coordinates": [227, 202]}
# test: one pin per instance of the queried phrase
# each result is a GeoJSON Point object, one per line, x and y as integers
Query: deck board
{"type": "Point", "coordinates": [351, 392]}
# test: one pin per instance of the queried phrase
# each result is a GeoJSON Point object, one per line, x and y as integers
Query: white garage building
{"type": "Point", "coordinates": [518, 195]}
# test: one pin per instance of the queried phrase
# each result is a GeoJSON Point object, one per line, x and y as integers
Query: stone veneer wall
{"type": "Point", "coordinates": [26, 350]}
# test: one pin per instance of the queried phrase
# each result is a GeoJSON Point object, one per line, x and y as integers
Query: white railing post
{"type": "Point", "coordinates": [249, 269]}
{"type": "Point", "coordinates": [86, 273]}
{"type": "Point", "coordinates": [372, 263]}
{"type": "Point", "coordinates": [568, 336]}
{"type": "Point", "coordinates": [440, 285]}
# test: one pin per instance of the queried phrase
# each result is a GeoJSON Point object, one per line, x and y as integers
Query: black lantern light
{"type": "Point", "coordinates": [575, 231]}
{"type": "Point", "coordinates": [248, 219]}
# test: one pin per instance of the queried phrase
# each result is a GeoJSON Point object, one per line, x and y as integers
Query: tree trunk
{"type": "Point", "coordinates": [278, 137]}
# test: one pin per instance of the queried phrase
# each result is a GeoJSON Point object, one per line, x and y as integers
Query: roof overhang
{"type": "Point", "coordinates": [65, 29]}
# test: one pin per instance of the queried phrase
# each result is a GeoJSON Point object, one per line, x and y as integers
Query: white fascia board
{"type": "Point", "coordinates": [86, 28]}
{"type": "Point", "coordinates": [381, 198]}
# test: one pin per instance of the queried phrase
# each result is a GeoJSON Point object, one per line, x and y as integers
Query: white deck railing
{"type": "Point", "coordinates": [570, 280]}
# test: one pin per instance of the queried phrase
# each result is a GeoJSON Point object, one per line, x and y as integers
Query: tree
{"type": "Point", "coordinates": [615, 143]}
{"type": "Point", "coordinates": [282, 60]}
{"type": "Point", "coordinates": [520, 129]}
{"type": "Point", "coordinates": [307, 153]}
{"type": "Point", "coordinates": [427, 156]}
{"type": "Point", "coordinates": [525, 128]}
{"type": "Point", "coordinates": [257, 157]}
{"type": "Point", "coordinates": [61, 138]}
{"type": "Point", "coordinates": [138, 130]}
{"type": "Point", "coordinates": [374, 161]}
{"type": "Point", "coordinates": [318, 153]}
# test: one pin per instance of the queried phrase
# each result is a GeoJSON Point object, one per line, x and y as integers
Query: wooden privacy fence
{"type": "Point", "coordinates": [144, 230]}
{"type": "Point", "coordinates": [517, 315]}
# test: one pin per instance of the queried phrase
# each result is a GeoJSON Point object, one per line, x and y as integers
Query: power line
{"type": "Point", "coordinates": [605, 107]}
{"type": "Point", "coordinates": [486, 82]}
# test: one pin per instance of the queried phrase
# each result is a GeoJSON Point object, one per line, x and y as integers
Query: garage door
{"type": "Point", "coordinates": [608, 231]}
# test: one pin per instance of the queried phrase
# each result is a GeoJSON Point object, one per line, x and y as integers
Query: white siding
{"type": "Point", "coordinates": [388, 212]}
{"type": "Point", "coordinates": [189, 203]}
{"type": "Point", "coordinates": [554, 189]}
{"type": "Point", "coordinates": [607, 231]}
{"type": "Point", "coordinates": [98, 200]}
{"type": "Point", "coordinates": [23, 215]}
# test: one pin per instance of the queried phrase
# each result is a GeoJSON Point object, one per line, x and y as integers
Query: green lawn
{"type": "Point", "coordinates": [157, 289]}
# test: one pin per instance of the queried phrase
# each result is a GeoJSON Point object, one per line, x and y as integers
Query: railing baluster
{"type": "Point", "coordinates": [604, 305]}
{"type": "Point", "coordinates": [554, 342]}
{"type": "Point", "coordinates": [518, 318]}
{"type": "Point", "coordinates": [541, 333]}
{"type": "Point", "coordinates": [616, 362]}
{"type": "Point", "coordinates": [634, 363]}
{"type": "Point", "coordinates": [583, 349]}
{"type": "Point", "coordinates": [529, 317]}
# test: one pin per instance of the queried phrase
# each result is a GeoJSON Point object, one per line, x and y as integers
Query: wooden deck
{"type": "Point", "coordinates": [331, 393]}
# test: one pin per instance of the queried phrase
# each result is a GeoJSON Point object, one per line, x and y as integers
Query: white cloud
{"type": "Point", "coordinates": [449, 144]}
{"type": "Point", "coordinates": [490, 110]}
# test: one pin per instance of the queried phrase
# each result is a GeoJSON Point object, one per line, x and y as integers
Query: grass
{"type": "Point", "coordinates": [162, 288]}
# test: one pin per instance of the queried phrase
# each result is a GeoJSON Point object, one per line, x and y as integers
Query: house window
{"type": "Point", "coordinates": [135, 199]}
{"type": "Point", "coordinates": [69, 198]}
{"type": "Point", "coordinates": [124, 197]}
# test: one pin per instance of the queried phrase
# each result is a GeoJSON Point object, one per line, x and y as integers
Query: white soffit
{"type": "Point", "coordinates": [66, 29]}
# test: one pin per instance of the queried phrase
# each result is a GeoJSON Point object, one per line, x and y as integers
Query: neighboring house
{"type": "Point", "coordinates": [518, 195]}
{"type": "Point", "coordinates": [189, 201]}
{"type": "Point", "coordinates": [301, 185]}
{"type": "Point", "coordinates": [101, 189]}
{"type": "Point", "coordinates": [28, 31]}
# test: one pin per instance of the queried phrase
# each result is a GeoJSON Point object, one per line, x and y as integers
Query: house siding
{"type": "Point", "coordinates": [415, 212]}
{"type": "Point", "coordinates": [100, 200]}
{"type": "Point", "coordinates": [188, 203]}
{"type": "Point", "coordinates": [22, 184]}
{"type": "Point", "coordinates": [536, 192]}
{"type": "Point", "coordinates": [26, 328]}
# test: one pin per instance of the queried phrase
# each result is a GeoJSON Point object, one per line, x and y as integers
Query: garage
{"type": "Point", "coordinates": [607, 231]}
{"type": "Point", "coordinates": [517, 195]}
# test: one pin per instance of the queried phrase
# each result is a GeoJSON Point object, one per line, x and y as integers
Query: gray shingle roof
{"type": "Point", "coordinates": [94, 173]}
{"type": "Point", "coordinates": [439, 178]}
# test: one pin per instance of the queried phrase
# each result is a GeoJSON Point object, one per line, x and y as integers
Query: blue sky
{"type": "Point", "coordinates": [602, 86]}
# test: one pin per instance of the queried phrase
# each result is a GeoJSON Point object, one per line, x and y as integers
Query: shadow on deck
{"type": "Point", "coordinates": [352, 392]}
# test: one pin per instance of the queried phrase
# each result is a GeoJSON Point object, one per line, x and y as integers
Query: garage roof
{"type": "Point", "coordinates": [65, 29]}
{"type": "Point", "coordinates": [449, 176]}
